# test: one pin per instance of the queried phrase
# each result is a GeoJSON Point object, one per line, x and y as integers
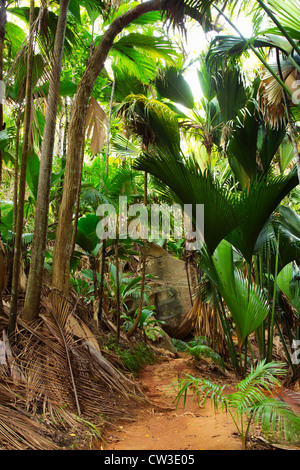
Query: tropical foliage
{"type": "Point", "coordinates": [99, 104]}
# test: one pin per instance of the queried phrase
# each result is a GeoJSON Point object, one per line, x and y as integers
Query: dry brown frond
{"type": "Point", "coordinates": [55, 371]}
{"type": "Point", "coordinates": [271, 96]}
{"type": "Point", "coordinates": [206, 322]}
{"type": "Point", "coordinates": [96, 123]}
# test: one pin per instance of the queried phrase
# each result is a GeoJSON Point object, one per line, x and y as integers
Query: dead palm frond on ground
{"type": "Point", "coordinates": [54, 377]}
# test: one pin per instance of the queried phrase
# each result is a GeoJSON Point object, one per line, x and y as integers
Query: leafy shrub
{"type": "Point", "coordinates": [136, 357]}
{"type": "Point", "coordinates": [199, 347]}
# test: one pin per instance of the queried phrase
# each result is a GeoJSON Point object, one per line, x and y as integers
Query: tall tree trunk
{"type": "Point", "coordinates": [76, 217]}
{"type": "Point", "coordinates": [109, 125]}
{"type": "Point", "coordinates": [16, 170]}
{"type": "Point", "coordinates": [139, 313]}
{"type": "Point", "coordinates": [21, 202]}
{"type": "Point", "coordinates": [101, 288]}
{"type": "Point", "coordinates": [63, 158]}
{"type": "Point", "coordinates": [35, 279]}
{"type": "Point", "coordinates": [118, 310]}
{"type": "Point", "coordinates": [61, 260]}
{"type": "Point", "coordinates": [65, 138]}
{"type": "Point", "coordinates": [3, 19]}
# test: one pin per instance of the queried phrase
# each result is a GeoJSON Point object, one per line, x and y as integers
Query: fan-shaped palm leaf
{"type": "Point", "coordinates": [171, 84]}
{"type": "Point", "coordinates": [288, 281]}
{"type": "Point", "coordinates": [245, 302]}
{"type": "Point", "coordinates": [86, 236]}
{"type": "Point", "coordinates": [258, 202]}
{"type": "Point", "coordinates": [191, 186]}
{"type": "Point", "coordinates": [231, 92]}
{"type": "Point", "coordinates": [124, 148]}
{"type": "Point", "coordinates": [287, 229]}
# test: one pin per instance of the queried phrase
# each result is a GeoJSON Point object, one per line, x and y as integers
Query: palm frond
{"type": "Point", "coordinates": [246, 303]}
{"type": "Point", "coordinates": [277, 420]}
{"type": "Point", "coordinates": [171, 84]}
{"type": "Point", "coordinates": [252, 402]}
{"type": "Point", "coordinates": [258, 203]}
{"type": "Point", "coordinates": [124, 148]}
{"type": "Point", "coordinates": [152, 120]}
{"type": "Point", "coordinates": [190, 186]}
{"type": "Point", "coordinates": [288, 15]}
{"type": "Point", "coordinates": [200, 10]}
{"type": "Point", "coordinates": [62, 377]}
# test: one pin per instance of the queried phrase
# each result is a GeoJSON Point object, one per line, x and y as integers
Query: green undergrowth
{"type": "Point", "coordinates": [136, 357]}
{"type": "Point", "coordinates": [198, 348]}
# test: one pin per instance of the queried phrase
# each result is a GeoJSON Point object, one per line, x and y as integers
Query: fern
{"type": "Point", "coordinates": [249, 403]}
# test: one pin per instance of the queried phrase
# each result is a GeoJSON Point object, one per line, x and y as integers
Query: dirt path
{"type": "Point", "coordinates": [168, 428]}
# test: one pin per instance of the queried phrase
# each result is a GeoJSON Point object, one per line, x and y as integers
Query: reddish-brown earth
{"type": "Point", "coordinates": [160, 426]}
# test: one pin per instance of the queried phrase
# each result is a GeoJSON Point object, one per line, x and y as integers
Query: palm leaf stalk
{"type": "Point", "coordinates": [272, 316]}
{"type": "Point", "coordinates": [118, 311]}
{"type": "Point", "coordinates": [260, 332]}
{"type": "Point", "coordinates": [109, 123]}
{"type": "Point", "coordinates": [206, 264]}
{"type": "Point", "coordinates": [101, 287]}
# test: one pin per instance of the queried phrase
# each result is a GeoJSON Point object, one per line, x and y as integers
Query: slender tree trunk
{"type": "Point", "coordinates": [2, 38]}
{"type": "Point", "coordinates": [139, 314]}
{"type": "Point", "coordinates": [109, 125]}
{"type": "Point", "coordinates": [16, 171]}
{"type": "Point", "coordinates": [101, 288]}
{"type": "Point", "coordinates": [95, 280]}
{"type": "Point", "coordinates": [35, 279]}
{"type": "Point", "coordinates": [21, 202]}
{"type": "Point", "coordinates": [95, 65]}
{"type": "Point", "coordinates": [188, 277]}
{"type": "Point", "coordinates": [66, 130]}
{"type": "Point", "coordinates": [76, 217]}
{"type": "Point", "coordinates": [118, 311]}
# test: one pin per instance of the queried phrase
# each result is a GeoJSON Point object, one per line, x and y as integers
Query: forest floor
{"type": "Point", "coordinates": [162, 426]}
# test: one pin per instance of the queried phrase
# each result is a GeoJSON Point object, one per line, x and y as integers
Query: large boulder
{"type": "Point", "coordinates": [171, 295]}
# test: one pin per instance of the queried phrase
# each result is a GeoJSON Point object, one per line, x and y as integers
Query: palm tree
{"type": "Point", "coordinates": [279, 80]}
{"type": "Point", "coordinates": [240, 218]}
{"type": "Point", "coordinates": [32, 299]}
{"type": "Point", "coordinates": [3, 19]}
{"type": "Point", "coordinates": [25, 150]}
{"type": "Point", "coordinates": [76, 133]}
